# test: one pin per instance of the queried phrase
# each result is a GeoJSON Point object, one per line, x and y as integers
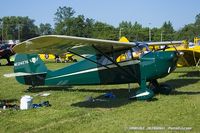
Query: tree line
{"type": "Point", "coordinates": [67, 23]}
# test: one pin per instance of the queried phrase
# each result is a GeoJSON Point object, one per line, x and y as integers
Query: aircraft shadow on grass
{"type": "Point", "coordinates": [186, 79]}
{"type": "Point", "coordinates": [119, 97]}
{"type": "Point", "coordinates": [8, 100]}
{"type": "Point", "coordinates": [178, 83]}
{"type": "Point", "coordinates": [8, 103]}
{"type": "Point", "coordinates": [54, 88]}
{"type": "Point", "coordinates": [194, 73]}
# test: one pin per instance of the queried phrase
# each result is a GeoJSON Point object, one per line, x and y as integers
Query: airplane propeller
{"type": "Point", "coordinates": [178, 52]}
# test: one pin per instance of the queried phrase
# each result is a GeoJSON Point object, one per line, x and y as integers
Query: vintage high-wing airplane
{"type": "Point", "coordinates": [107, 62]}
{"type": "Point", "coordinates": [6, 52]}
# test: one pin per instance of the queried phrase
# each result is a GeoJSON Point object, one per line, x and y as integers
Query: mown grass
{"type": "Point", "coordinates": [71, 112]}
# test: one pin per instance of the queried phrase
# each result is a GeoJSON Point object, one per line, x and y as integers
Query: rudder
{"type": "Point", "coordinates": [33, 69]}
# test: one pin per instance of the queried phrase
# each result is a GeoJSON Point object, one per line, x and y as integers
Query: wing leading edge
{"type": "Point", "coordinates": [164, 43]}
{"type": "Point", "coordinates": [62, 44]}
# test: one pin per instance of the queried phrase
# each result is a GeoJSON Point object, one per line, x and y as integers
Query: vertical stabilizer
{"type": "Point", "coordinates": [33, 68]}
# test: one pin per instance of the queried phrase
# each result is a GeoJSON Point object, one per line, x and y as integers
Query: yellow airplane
{"type": "Point", "coordinates": [66, 57]}
{"type": "Point", "coordinates": [191, 53]}
{"type": "Point", "coordinates": [45, 57]}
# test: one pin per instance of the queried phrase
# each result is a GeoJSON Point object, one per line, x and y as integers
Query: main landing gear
{"type": "Point", "coordinates": [144, 93]}
{"type": "Point", "coordinates": [30, 88]}
{"type": "Point", "coordinates": [148, 92]}
{"type": "Point", "coordinates": [160, 88]}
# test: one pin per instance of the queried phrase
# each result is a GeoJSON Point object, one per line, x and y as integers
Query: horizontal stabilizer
{"type": "Point", "coordinates": [18, 74]}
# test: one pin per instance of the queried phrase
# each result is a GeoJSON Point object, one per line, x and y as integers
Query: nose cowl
{"type": "Point", "coordinates": [166, 62]}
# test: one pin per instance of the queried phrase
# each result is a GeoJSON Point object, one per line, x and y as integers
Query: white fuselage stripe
{"type": "Point", "coordinates": [96, 69]}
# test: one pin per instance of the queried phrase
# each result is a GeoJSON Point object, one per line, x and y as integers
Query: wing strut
{"type": "Point", "coordinates": [88, 59]}
{"type": "Point", "coordinates": [114, 62]}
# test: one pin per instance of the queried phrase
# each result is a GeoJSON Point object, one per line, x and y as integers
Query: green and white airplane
{"type": "Point", "coordinates": [105, 62]}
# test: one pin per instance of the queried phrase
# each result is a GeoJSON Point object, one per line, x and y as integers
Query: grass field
{"type": "Point", "coordinates": [70, 112]}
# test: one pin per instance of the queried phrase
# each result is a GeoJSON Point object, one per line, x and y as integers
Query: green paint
{"type": "Point", "coordinates": [150, 66]}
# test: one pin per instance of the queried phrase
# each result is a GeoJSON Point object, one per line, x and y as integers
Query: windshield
{"type": "Point", "coordinates": [140, 50]}
{"type": "Point", "coordinates": [143, 47]}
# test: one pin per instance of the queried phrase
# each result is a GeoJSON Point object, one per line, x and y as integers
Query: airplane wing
{"type": "Point", "coordinates": [62, 44]}
{"type": "Point", "coordinates": [164, 43]}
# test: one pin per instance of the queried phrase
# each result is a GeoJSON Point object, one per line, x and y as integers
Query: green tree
{"type": "Point", "coordinates": [197, 25]}
{"type": "Point", "coordinates": [77, 26]}
{"type": "Point", "coordinates": [104, 31]}
{"type": "Point", "coordinates": [168, 31]}
{"type": "Point", "coordinates": [157, 34]}
{"type": "Point", "coordinates": [197, 19]}
{"type": "Point", "coordinates": [68, 24]}
{"type": "Point", "coordinates": [125, 29]}
{"type": "Point", "coordinates": [64, 18]}
{"type": "Point", "coordinates": [16, 27]}
{"type": "Point", "coordinates": [64, 13]}
{"type": "Point", "coordinates": [187, 32]}
{"type": "Point", "coordinates": [134, 32]}
{"type": "Point", "coordinates": [45, 29]}
{"type": "Point", "coordinates": [88, 28]}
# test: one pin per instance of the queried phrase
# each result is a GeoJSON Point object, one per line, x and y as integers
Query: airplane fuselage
{"type": "Point", "coordinates": [150, 66]}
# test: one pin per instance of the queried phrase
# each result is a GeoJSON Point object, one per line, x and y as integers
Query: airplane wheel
{"type": "Point", "coordinates": [160, 88]}
{"type": "Point", "coordinates": [165, 89]}
{"type": "Point", "coordinates": [154, 87]}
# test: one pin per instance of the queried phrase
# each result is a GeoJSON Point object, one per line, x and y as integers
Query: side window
{"type": "Point", "coordinates": [140, 50]}
{"type": "Point", "coordinates": [103, 60]}
{"type": "Point", "coordinates": [121, 57]}
{"type": "Point", "coordinates": [124, 56]}
{"type": "Point", "coordinates": [136, 52]}
{"type": "Point", "coordinates": [128, 55]}
{"type": "Point", "coordinates": [144, 48]}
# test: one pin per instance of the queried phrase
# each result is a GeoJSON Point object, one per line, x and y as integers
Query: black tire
{"type": "Point", "coordinates": [154, 88]}
{"type": "Point", "coordinates": [165, 89]}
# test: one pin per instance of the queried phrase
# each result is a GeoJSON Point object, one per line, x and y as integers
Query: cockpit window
{"type": "Point", "coordinates": [143, 47]}
{"type": "Point", "coordinates": [126, 55]}
{"type": "Point", "coordinates": [140, 50]}
{"type": "Point", "coordinates": [103, 60]}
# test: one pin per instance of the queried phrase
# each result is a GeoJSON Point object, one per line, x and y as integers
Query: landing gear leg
{"type": "Point", "coordinates": [30, 88]}
{"type": "Point", "coordinates": [159, 88]}
{"type": "Point", "coordinates": [144, 93]}
{"type": "Point", "coordinates": [129, 88]}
